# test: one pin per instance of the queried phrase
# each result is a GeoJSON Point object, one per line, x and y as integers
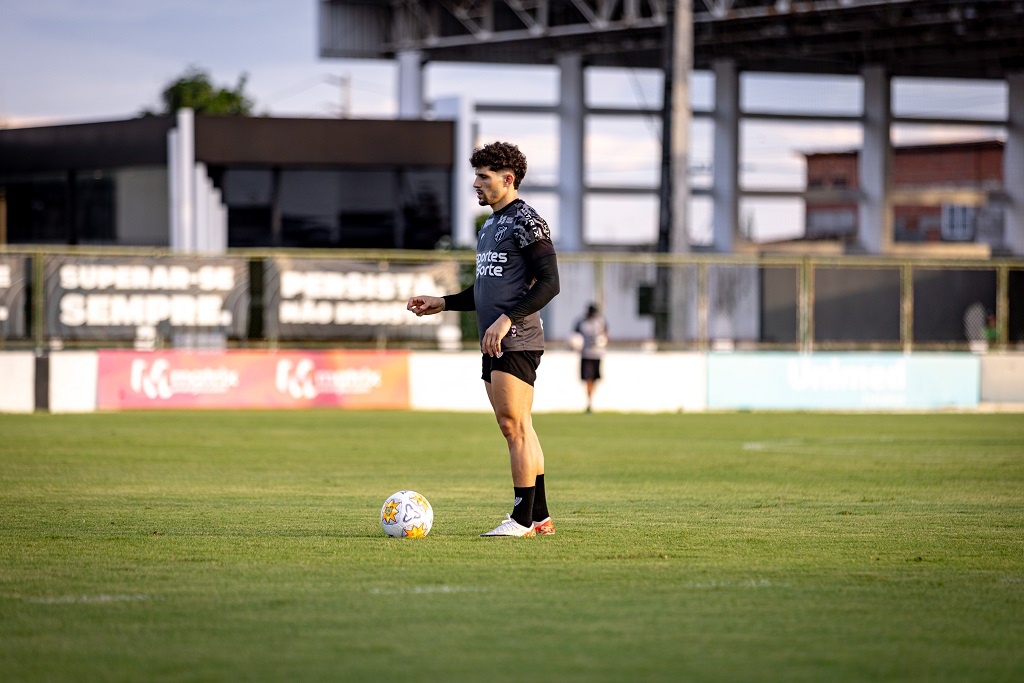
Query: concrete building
{"type": "Point", "coordinates": [950, 192]}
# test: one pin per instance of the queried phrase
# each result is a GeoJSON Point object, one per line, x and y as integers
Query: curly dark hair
{"type": "Point", "coordinates": [501, 156]}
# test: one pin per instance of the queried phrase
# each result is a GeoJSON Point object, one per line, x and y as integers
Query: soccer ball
{"type": "Point", "coordinates": [406, 514]}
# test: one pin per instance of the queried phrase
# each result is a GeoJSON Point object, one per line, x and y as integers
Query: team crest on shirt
{"type": "Point", "coordinates": [513, 331]}
{"type": "Point", "coordinates": [500, 233]}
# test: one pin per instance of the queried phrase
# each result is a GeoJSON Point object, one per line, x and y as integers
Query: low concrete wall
{"type": "Point", "coordinates": [17, 382]}
{"type": "Point", "coordinates": [632, 382]}
{"type": "Point", "coordinates": [73, 376]}
{"type": "Point", "coordinates": [1002, 378]}
{"type": "Point", "coordinates": [842, 381]}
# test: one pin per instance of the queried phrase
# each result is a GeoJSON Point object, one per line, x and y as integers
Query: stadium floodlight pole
{"type": "Point", "coordinates": [677, 62]}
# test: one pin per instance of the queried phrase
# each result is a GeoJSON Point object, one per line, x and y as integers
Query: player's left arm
{"type": "Point", "coordinates": [544, 267]}
{"type": "Point", "coordinates": [533, 237]}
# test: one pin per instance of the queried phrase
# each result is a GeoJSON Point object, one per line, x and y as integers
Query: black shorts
{"type": "Point", "coordinates": [590, 369]}
{"type": "Point", "coordinates": [521, 364]}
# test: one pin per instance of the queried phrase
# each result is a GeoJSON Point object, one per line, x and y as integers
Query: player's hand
{"type": "Point", "coordinates": [425, 305]}
{"type": "Point", "coordinates": [491, 343]}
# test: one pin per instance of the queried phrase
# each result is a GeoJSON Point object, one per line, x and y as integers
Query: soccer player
{"type": "Point", "coordinates": [516, 275]}
{"type": "Point", "coordinates": [593, 338]}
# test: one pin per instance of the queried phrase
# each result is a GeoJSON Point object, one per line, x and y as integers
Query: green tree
{"type": "Point", "coordinates": [195, 90]}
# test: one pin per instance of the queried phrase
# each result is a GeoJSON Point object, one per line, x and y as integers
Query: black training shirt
{"type": "Point", "coordinates": [510, 244]}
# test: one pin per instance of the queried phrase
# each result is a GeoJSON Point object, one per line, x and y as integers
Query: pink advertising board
{"type": "Point", "coordinates": [132, 380]}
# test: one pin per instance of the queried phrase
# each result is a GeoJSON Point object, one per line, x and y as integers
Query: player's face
{"type": "Point", "coordinates": [492, 187]}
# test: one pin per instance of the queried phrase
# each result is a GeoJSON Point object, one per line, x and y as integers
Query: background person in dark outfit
{"type": "Point", "coordinates": [516, 275]}
{"type": "Point", "coordinates": [591, 340]}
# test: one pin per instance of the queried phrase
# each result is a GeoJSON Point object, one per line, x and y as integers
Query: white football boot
{"type": "Point", "coordinates": [511, 527]}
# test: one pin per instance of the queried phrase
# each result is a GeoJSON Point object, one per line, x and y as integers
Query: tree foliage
{"type": "Point", "coordinates": [195, 90]}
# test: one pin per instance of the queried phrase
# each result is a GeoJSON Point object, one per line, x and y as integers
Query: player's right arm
{"type": "Point", "coordinates": [429, 305]}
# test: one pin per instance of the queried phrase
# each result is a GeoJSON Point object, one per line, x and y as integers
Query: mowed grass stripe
{"type": "Point", "coordinates": [755, 547]}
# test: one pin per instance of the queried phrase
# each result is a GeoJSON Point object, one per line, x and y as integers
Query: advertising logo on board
{"type": "Point", "coordinates": [240, 379]}
{"type": "Point", "coordinates": [158, 380]}
{"type": "Point", "coordinates": [303, 379]}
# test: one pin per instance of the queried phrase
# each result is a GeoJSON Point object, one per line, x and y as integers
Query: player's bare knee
{"type": "Point", "coordinates": [511, 427]}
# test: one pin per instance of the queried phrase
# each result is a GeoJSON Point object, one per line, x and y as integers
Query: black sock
{"type": "Point", "coordinates": [523, 510]}
{"type": "Point", "coordinates": [540, 501]}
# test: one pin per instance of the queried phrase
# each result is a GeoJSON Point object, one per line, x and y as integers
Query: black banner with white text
{"type": "Point", "coordinates": [331, 298]}
{"type": "Point", "coordinates": [13, 291]}
{"type": "Point", "coordinates": [133, 297]}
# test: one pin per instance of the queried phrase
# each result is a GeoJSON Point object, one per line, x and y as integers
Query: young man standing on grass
{"type": "Point", "coordinates": [593, 338]}
{"type": "Point", "coordinates": [516, 276]}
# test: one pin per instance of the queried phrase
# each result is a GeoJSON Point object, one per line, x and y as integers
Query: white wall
{"type": "Point", "coordinates": [632, 382]}
{"type": "Point", "coordinates": [17, 382]}
{"type": "Point", "coordinates": [1002, 378]}
{"type": "Point", "coordinates": [446, 381]}
{"type": "Point", "coordinates": [73, 381]}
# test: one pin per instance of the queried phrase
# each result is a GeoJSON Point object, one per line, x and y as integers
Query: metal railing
{"type": "Point", "coordinates": [673, 301]}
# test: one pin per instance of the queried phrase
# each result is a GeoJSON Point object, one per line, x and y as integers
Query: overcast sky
{"type": "Point", "coordinates": [67, 61]}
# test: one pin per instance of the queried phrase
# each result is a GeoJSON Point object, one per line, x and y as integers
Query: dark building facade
{"type": "Point", "coordinates": [281, 182]}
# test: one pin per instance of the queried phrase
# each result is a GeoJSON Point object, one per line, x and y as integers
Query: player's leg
{"type": "Point", "coordinates": [542, 523]}
{"type": "Point", "coordinates": [587, 372]}
{"type": "Point", "coordinates": [512, 401]}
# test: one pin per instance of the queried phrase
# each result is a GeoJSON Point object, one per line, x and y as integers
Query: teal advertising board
{"type": "Point", "coordinates": [842, 381]}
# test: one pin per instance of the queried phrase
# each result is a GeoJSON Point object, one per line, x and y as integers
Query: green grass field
{"type": "Point", "coordinates": [230, 546]}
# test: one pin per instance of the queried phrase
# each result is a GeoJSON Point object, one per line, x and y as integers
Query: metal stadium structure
{"type": "Point", "coordinates": [943, 38]}
{"type": "Point", "coordinates": [875, 40]}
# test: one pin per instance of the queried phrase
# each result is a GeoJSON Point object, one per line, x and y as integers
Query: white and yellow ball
{"type": "Point", "coordinates": [406, 514]}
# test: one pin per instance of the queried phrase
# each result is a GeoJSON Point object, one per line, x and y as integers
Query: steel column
{"type": "Point", "coordinates": [1013, 165]}
{"type": "Point", "coordinates": [725, 185]}
{"type": "Point", "coordinates": [571, 130]}
{"type": "Point", "coordinates": [874, 230]}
